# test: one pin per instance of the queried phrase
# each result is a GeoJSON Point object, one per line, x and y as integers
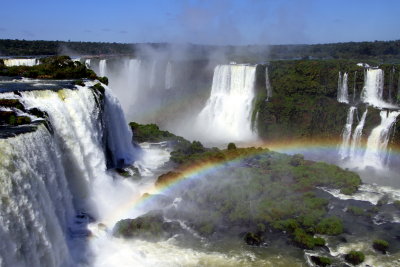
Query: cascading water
{"type": "Point", "coordinates": [356, 139]}
{"type": "Point", "coordinates": [103, 67]}
{"type": "Point", "coordinates": [346, 135]}
{"type": "Point", "coordinates": [45, 177]}
{"type": "Point", "coordinates": [227, 113]}
{"type": "Point", "coordinates": [20, 62]}
{"type": "Point", "coordinates": [168, 76]}
{"type": "Point", "coordinates": [343, 94]}
{"type": "Point", "coordinates": [153, 74]}
{"type": "Point", "coordinates": [36, 203]}
{"type": "Point", "coordinates": [372, 92]}
{"type": "Point", "coordinates": [376, 152]}
{"type": "Point", "coordinates": [87, 63]}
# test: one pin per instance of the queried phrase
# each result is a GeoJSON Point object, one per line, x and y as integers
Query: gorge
{"type": "Point", "coordinates": [71, 174]}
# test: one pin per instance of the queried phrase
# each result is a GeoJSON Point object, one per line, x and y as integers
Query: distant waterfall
{"type": "Point", "coordinates": [372, 92]}
{"type": "Point", "coordinates": [87, 63]}
{"type": "Point", "coordinates": [346, 135]}
{"type": "Point", "coordinates": [268, 84]}
{"type": "Point", "coordinates": [153, 74]}
{"type": "Point", "coordinates": [168, 76]}
{"type": "Point", "coordinates": [356, 139]}
{"type": "Point", "coordinates": [45, 177]}
{"type": "Point", "coordinates": [376, 152]}
{"type": "Point", "coordinates": [227, 113]}
{"type": "Point", "coordinates": [20, 62]}
{"type": "Point", "coordinates": [103, 67]}
{"type": "Point", "coordinates": [343, 92]}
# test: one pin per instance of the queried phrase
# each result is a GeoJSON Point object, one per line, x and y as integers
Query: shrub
{"type": "Point", "coordinates": [321, 261]}
{"type": "Point", "coordinates": [380, 245]}
{"type": "Point", "coordinates": [330, 226]}
{"type": "Point", "coordinates": [354, 257]}
{"type": "Point", "coordinates": [231, 146]}
{"type": "Point", "coordinates": [103, 80]}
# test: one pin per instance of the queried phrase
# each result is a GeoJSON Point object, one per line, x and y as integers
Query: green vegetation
{"type": "Point", "coordinates": [231, 146]}
{"type": "Point", "coordinates": [354, 257]}
{"type": "Point", "coordinates": [383, 51]}
{"type": "Point", "coordinates": [321, 261]}
{"type": "Point", "coordinates": [356, 211]}
{"type": "Point", "coordinates": [150, 226]}
{"type": "Point", "coordinates": [56, 67]}
{"type": "Point", "coordinates": [276, 191]}
{"type": "Point", "coordinates": [303, 103]}
{"type": "Point", "coordinates": [380, 245]}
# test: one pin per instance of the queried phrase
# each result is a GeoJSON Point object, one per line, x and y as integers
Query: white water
{"type": "Point", "coordinates": [45, 177]}
{"type": "Point", "coordinates": [343, 92]}
{"type": "Point", "coordinates": [36, 203]}
{"type": "Point", "coordinates": [20, 62]}
{"type": "Point", "coordinates": [103, 67]}
{"type": "Point", "coordinates": [168, 76]}
{"type": "Point", "coordinates": [227, 114]}
{"type": "Point", "coordinates": [346, 135]}
{"type": "Point", "coordinates": [376, 152]}
{"type": "Point", "coordinates": [356, 139]}
{"type": "Point", "coordinates": [372, 92]}
{"type": "Point", "coordinates": [87, 63]}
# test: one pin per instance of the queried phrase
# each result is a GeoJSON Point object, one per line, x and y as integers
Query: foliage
{"type": "Point", "coordinates": [231, 146]}
{"type": "Point", "coordinates": [55, 67]}
{"type": "Point", "coordinates": [354, 257]}
{"type": "Point", "coordinates": [330, 226]}
{"type": "Point", "coordinates": [380, 245]}
{"type": "Point", "coordinates": [321, 261]}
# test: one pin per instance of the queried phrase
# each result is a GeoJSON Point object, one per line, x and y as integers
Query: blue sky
{"type": "Point", "coordinates": [202, 21]}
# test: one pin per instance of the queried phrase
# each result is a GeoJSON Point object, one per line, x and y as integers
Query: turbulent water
{"type": "Point", "coordinates": [47, 179]}
{"type": "Point", "coordinates": [227, 113]}
{"type": "Point", "coordinates": [376, 154]}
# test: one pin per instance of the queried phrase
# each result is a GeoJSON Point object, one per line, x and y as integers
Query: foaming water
{"type": "Point", "coordinates": [227, 113]}
{"type": "Point", "coordinates": [372, 92]}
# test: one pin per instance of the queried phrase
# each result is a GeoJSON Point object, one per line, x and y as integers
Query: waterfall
{"type": "Point", "coordinates": [227, 113]}
{"type": "Point", "coordinates": [343, 94]}
{"type": "Point", "coordinates": [373, 88]}
{"type": "Point", "coordinates": [20, 62]}
{"type": "Point", "coordinates": [346, 135]}
{"type": "Point", "coordinates": [87, 63]}
{"type": "Point", "coordinates": [153, 74]}
{"type": "Point", "coordinates": [36, 203]}
{"type": "Point", "coordinates": [268, 84]}
{"type": "Point", "coordinates": [118, 133]}
{"type": "Point", "coordinates": [356, 139]}
{"type": "Point", "coordinates": [46, 177]}
{"type": "Point", "coordinates": [376, 152]}
{"type": "Point", "coordinates": [103, 67]}
{"type": "Point", "coordinates": [168, 76]}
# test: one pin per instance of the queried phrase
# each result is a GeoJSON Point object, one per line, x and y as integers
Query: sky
{"type": "Point", "coordinates": [220, 22]}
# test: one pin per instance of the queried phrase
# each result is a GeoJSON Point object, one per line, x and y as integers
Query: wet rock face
{"type": "Point", "coordinates": [253, 239]}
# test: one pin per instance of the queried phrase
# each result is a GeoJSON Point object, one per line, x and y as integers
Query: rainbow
{"type": "Point", "coordinates": [200, 170]}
